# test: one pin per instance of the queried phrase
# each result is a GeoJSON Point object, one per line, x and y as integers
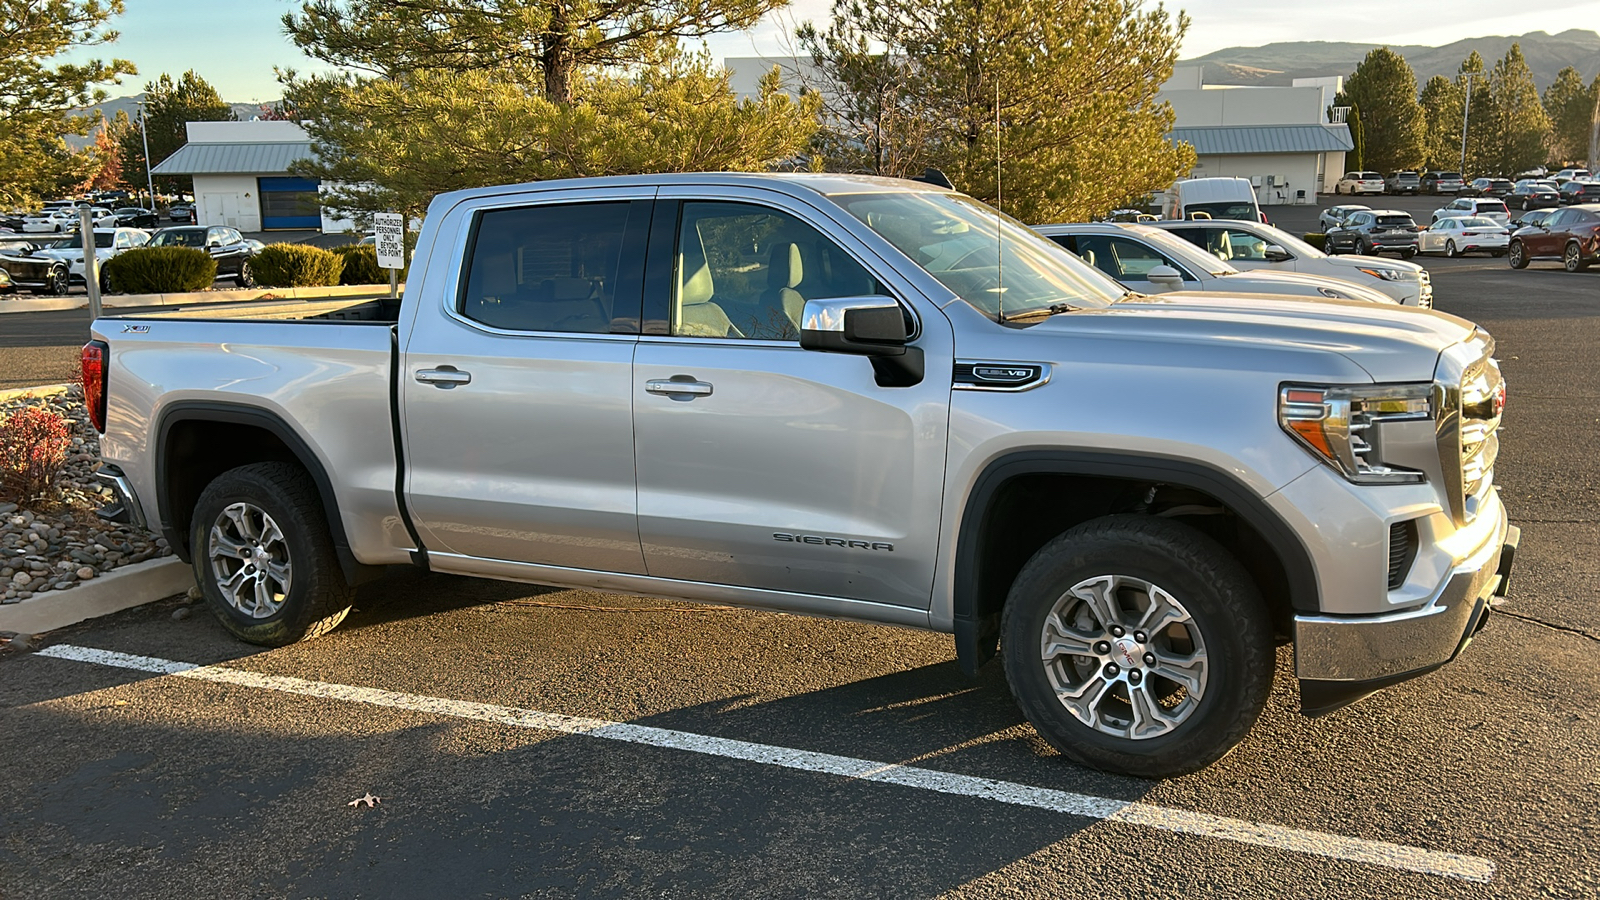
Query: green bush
{"type": "Point", "coordinates": [1316, 239]}
{"type": "Point", "coordinates": [361, 265]}
{"type": "Point", "coordinates": [296, 265]}
{"type": "Point", "coordinates": [160, 270]}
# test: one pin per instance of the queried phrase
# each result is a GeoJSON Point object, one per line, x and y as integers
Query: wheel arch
{"type": "Point", "coordinates": [1023, 499]}
{"type": "Point", "coordinates": [197, 440]}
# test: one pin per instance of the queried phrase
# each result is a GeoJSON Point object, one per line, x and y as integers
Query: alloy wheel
{"type": "Point", "coordinates": [1124, 656]}
{"type": "Point", "coordinates": [250, 560]}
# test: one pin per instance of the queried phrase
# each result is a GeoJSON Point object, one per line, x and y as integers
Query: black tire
{"type": "Point", "coordinates": [1232, 621]}
{"type": "Point", "coordinates": [105, 282]}
{"type": "Point", "coordinates": [1408, 253]}
{"type": "Point", "coordinates": [1572, 258]}
{"type": "Point", "coordinates": [1450, 249]}
{"type": "Point", "coordinates": [1517, 255]}
{"type": "Point", "coordinates": [58, 282]}
{"type": "Point", "coordinates": [245, 278]}
{"type": "Point", "coordinates": [318, 598]}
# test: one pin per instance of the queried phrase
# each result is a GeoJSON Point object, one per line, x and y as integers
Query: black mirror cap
{"type": "Point", "coordinates": [881, 325]}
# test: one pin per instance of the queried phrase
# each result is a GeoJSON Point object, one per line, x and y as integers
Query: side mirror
{"type": "Point", "coordinates": [1275, 253]}
{"type": "Point", "coordinates": [1165, 276]}
{"type": "Point", "coordinates": [864, 326]}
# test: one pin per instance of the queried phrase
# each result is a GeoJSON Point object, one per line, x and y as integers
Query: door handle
{"type": "Point", "coordinates": [677, 386]}
{"type": "Point", "coordinates": [445, 377]}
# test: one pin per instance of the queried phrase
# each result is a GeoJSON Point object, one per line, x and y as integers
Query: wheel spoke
{"type": "Point", "coordinates": [1188, 672]}
{"type": "Point", "coordinates": [1161, 612]}
{"type": "Point", "coordinates": [1100, 595]}
{"type": "Point", "coordinates": [270, 534]}
{"type": "Point", "coordinates": [1061, 641]}
{"type": "Point", "coordinates": [1149, 719]}
{"type": "Point", "coordinates": [233, 587]}
{"type": "Point", "coordinates": [238, 514]}
{"type": "Point", "coordinates": [222, 545]}
{"type": "Point", "coordinates": [1083, 700]}
{"type": "Point", "coordinates": [279, 573]}
{"type": "Point", "coordinates": [264, 598]}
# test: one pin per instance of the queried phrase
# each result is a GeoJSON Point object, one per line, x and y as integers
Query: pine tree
{"type": "Point", "coordinates": [1441, 117]}
{"type": "Point", "coordinates": [1520, 127]}
{"type": "Point", "coordinates": [35, 96]}
{"type": "Point", "coordinates": [1385, 89]}
{"type": "Point", "coordinates": [1570, 106]}
{"type": "Point", "coordinates": [1050, 115]}
{"type": "Point", "coordinates": [1481, 144]}
{"type": "Point", "coordinates": [1356, 159]}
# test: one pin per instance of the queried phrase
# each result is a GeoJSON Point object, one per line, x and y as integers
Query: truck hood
{"type": "Point", "coordinates": [1389, 342]}
{"type": "Point", "coordinates": [1297, 283]}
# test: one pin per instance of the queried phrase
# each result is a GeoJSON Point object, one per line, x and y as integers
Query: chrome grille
{"type": "Point", "coordinates": [1468, 441]}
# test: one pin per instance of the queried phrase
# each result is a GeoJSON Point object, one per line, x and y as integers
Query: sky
{"type": "Point", "coordinates": [234, 44]}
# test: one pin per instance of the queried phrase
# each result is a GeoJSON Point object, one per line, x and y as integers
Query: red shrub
{"type": "Point", "coordinates": [33, 448]}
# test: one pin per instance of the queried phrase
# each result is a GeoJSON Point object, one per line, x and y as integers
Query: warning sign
{"type": "Point", "coordinates": [391, 232]}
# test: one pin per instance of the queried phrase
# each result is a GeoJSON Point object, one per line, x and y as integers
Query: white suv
{"type": "Point", "coordinates": [1360, 183]}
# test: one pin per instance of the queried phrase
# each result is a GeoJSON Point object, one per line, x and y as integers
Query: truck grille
{"type": "Point", "coordinates": [1425, 296]}
{"type": "Point", "coordinates": [1468, 439]}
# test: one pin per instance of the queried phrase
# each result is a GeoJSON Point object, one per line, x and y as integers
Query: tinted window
{"type": "Point", "coordinates": [1450, 176]}
{"type": "Point", "coordinates": [1396, 221]}
{"type": "Point", "coordinates": [745, 271]}
{"type": "Point", "coordinates": [557, 267]}
{"type": "Point", "coordinates": [1121, 258]}
{"type": "Point", "coordinates": [1223, 210]}
{"type": "Point", "coordinates": [180, 238]}
{"type": "Point", "coordinates": [1494, 206]}
{"type": "Point", "coordinates": [1558, 219]}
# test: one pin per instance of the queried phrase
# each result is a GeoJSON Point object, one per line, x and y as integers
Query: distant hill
{"type": "Point", "coordinates": [1279, 63]}
{"type": "Point", "coordinates": [130, 105]}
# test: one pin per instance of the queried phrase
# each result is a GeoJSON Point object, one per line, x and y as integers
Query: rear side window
{"type": "Point", "coordinates": [561, 267]}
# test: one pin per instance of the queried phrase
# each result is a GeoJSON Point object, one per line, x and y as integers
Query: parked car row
{"type": "Point", "coordinates": [1549, 191]}
{"type": "Point", "coordinates": [1402, 182]}
{"type": "Point", "coordinates": [52, 267]}
{"type": "Point", "coordinates": [1546, 231]}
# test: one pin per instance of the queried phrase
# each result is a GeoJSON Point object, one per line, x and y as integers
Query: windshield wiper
{"type": "Point", "coordinates": [1051, 310]}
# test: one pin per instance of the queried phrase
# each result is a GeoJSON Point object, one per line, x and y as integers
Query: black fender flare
{"type": "Point", "coordinates": [355, 571]}
{"type": "Point", "coordinates": [974, 646]}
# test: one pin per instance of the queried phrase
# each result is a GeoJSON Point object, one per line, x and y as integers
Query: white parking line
{"type": "Point", "coordinates": [1394, 856]}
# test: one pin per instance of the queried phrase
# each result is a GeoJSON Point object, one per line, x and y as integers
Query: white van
{"type": "Point", "coordinates": [1213, 198]}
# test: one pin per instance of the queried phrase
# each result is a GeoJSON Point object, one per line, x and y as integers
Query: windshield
{"type": "Point", "coordinates": [1229, 209]}
{"type": "Point", "coordinates": [993, 262]}
{"type": "Point", "coordinates": [102, 239]}
{"type": "Point", "coordinates": [179, 238]}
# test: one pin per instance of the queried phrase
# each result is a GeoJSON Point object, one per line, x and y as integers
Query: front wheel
{"type": "Point", "coordinates": [1138, 645]}
{"type": "Point", "coordinates": [1517, 255]}
{"type": "Point", "coordinates": [264, 557]}
{"type": "Point", "coordinates": [57, 282]}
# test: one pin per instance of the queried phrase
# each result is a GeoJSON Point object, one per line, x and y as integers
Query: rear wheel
{"type": "Point", "coordinates": [245, 279]}
{"type": "Point", "coordinates": [1408, 253]}
{"type": "Point", "coordinates": [1517, 255]}
{"type": "Point", "coordinates": [264, 557]}
{"type": "Point", "coordinates": [1572, 258]}
{"type": "Point", "coordinates": [1450, 249]}
{"type": "Point", "coordinates": [1137, 645]}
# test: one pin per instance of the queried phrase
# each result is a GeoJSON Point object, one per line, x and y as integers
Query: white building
{"type": "Point", "coordinates": [241, 175]}
{"type": "Point", "coordinates": [1289, 141]}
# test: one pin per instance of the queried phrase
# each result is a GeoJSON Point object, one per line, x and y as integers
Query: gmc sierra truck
{"type": "Point", "coordinates": [849, 397]}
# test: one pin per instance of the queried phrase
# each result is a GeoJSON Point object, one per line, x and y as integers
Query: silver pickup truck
{"type": "Point", "coordinates": [848, 397]}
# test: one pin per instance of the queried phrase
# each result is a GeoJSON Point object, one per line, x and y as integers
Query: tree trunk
{"type": "Point", "coordinates": [556, 60]}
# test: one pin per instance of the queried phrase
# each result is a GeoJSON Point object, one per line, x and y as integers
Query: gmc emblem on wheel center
{"type": "Point", "coordinates": [825, 541]}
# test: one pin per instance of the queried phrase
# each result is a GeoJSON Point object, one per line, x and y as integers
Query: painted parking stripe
{"type": "Point", "coordinates": [1394, 856]}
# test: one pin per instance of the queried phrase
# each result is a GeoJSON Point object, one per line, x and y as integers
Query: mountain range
{"type": "Point", "coordinates": [130, 105]}
{"type": "Point", "coordinates": [1279, 63]}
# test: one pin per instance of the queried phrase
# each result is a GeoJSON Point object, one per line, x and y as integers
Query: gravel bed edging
{"type": "Point", "coordinates": [124, 588]}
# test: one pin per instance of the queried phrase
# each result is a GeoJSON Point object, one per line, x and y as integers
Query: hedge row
{"type": "Point", "coordinates": [160, 270]}
{"type": "Point", "coordinates": [296, 265]}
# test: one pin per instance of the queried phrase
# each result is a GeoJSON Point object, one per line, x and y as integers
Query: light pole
{"type": "Point", "coordinates": [149, 180]}
{"type": "Point", "coordinates": [1466, 109]}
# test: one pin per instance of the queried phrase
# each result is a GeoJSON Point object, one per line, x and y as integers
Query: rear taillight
{"type": "Point", "coordinates": [95, 361]}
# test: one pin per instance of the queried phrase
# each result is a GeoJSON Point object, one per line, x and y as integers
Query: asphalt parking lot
{"type": "Point", "coordinates": [531, 742]}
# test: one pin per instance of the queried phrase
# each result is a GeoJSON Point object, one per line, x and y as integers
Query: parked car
{"type": "Point", "coordinates": [181, 212]}
{"type": "Point", "coordinates": [108, 242]}
{"type": "Point", "coordinates": [1488, 207]}
{"type": "Point", "coordinates": [1488, 187]}
{"type": "Point", "coordinates": [1334, 216]}
{"type": "Point", "coordinates": [1359, 183]}
{"type": "Point", "coordinates": [11, 221]}
{"type": "Point", "coordinates": [26, 268]}
{"type": "Point", "coordinates": [1152, 261]}
{"type": "Point", "coordinates": [1459, 235]}
{"type": "Point", "coordinates": [136, 217]}
{"type": "Point", "coordinates": [1566, 175]}
{"type": "Point", "coordinates": [1580, 191]}
{"type": "Point", "coordinates": [1061, 476]}
{"type": "Point", "coordinates": [51, 221]}
{"type": "Point", "coordinates": [1216, 198]}
{"type": "Point", "coordinates": [1375, 231]}
{"type": "Point", "coordinates": [1534, 194]}
{"type": "Point", "coordinates": [226, 245]}
{"type": "Point", "coordinates": [1437, 182]}
{"type": "Point", "coordinates": [1570, 234]}
{"type": "Point", "coordinates": [1254, 246]}
{"type": "Point", "coordinates": [6, 287]}
{"type": "Point", "coordinates": [1402, 183]}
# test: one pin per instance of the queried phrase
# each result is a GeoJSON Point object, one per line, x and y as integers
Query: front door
{"type": "Point", "coordinates": [763, 465]}
{"type": "Point", "coordinates": [517, 387]}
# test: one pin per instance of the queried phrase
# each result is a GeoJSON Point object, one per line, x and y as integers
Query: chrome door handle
{"type": "Point", "coordinates": [678, 385]}
{"type": "Point", "coordinates": [444, 376]}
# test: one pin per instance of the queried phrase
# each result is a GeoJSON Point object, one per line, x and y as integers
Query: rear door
{"type": "Point", "coordinates": [763, 465]}
{"type": "Point", "coordinates": [1550, 236]}
{"type": "Point", "coordinates": [517, 381]}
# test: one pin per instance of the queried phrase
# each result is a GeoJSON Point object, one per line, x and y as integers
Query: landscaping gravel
{"type": "Point", "coordinates": [59, 543]}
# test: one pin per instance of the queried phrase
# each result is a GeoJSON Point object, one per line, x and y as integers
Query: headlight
{"type": "Point", "coordinates": [1342, 425]}
{"type": "Point", "coordinates": [1385, 274]}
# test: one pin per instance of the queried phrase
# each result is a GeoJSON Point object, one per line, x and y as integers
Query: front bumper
{"type": "Point", "coordinates": [1341, 659]}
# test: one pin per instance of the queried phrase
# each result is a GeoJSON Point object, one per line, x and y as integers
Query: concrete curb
{"type": "Point", "coordinates": [114, 591]}
{"type": "Point", "coordinates": [116, 301]}
{"type": "Point", "coordinates": [43, 390]}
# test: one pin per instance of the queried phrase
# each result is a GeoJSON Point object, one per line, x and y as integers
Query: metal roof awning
{"type": "Point", "coordinates": [1241, 139]}
{"type": "Point", "coordinates": [262, 158]}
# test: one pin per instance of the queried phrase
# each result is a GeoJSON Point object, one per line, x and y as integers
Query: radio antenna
{"type": "Point", "coordinates": [999, 273]}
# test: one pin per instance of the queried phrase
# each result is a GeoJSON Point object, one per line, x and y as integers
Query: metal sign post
{"type": "Point", "coordinates": [91, 261]}
{"type": "Point", "coordinates": [390, 230]}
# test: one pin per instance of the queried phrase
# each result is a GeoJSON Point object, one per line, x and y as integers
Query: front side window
{"type": "Point", "coordinates": [746, 271]}
{"type": "Point", "coordinates": [1121, 258]}
{"type": "Point", "coordinates": [1234, 244]}
{"type": "Point", "coordinates": [561, 267]}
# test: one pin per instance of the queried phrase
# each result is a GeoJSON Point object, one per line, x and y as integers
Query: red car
{"type": "Point", "coordinates": [1571, 235]}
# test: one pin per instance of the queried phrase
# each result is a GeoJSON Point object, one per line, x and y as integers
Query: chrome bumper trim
{"type": "Point", "coordinates": [126, 507]}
